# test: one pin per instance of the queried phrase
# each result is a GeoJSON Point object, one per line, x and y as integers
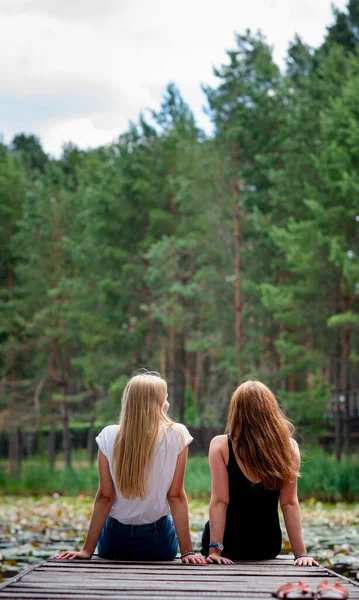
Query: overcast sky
{"type": "Point", "coordinates": [79, 70]}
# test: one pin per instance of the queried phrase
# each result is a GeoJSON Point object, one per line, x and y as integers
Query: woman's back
{"type": "Point", "coordinates": [136, 511]}
{"type": "Point", "coordinates": [252, 514]}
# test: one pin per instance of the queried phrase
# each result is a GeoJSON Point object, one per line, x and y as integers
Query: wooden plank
{"type": "Point", "coordinates": [107, 581]}
{"type": "Point", "coordinates": [163, 594]}
{"type": "Point", "coordinates": [20, 575]}
{"type": "Point", "coordinates": [58, 564]}
{"type": "Point", "coordinates": [104, 594]}
{"type": "Point", "coordinates": [68, 565]}
{"type": "Point", "coordinates": [203, 569]}
{"type": "Point", "coordinates": [152, 588]}
{"type": "Point", "coordinates": [152, 592]}
{"type": "Point", "coordinates": [193, 569]}
{"type": "Point", "coordinates": [168, 564]}
{"type": "Point", "coordinates": [72, 576]}
{"type": "Point", "coordinates": [144, 594]}
{"type": "Point", "coordinates": [224, 571]}
{"type": "Point", "coordinates": [287, 558]}
{"type": "Point", "coordinates": [158, 594]}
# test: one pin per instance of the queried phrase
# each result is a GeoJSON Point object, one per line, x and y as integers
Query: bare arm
{"type": "Point", "coordinates": [103, 502]}
{"type": "Point", "coordinates": [219, 496]}
{"type": "Point", "coordinates": [291, 512]}
{"type": "Point", "coordinates": [177, 500]}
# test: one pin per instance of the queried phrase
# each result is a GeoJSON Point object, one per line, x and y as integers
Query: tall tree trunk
{"type": "Point", "coordinates": [28, 443]}
{"type": "Point", "coordinates": [14, 440]}
{"type": "Point", "coordinates": [91, 442]}
{"type": "Point", "coordinates": [282, 383]}
{"type": "Point", "coordinates": [180, 379]}
{"type": "Point", "coordinates": [237, 259]}
{"type": "Point", "coordinates": [172, 365]}
{"type": "Point", "coordinates": [309, 347]}
{"type": "Point", "coordinates": [66, 441]}
{"type": "Point", "coordinates": [198, 375]}
{"type": "Point", "coordinates": [338, 428]}
{"type": "Point", "coordinates": [163, 357]}
{"type": "Point", "coordinates": [14, 445]}
{"type": "Point", "coordinates": [292, 386]}
{"type": "Point", "coordinates": [345, 379]}
{"type": "Point", "coordinates": [51, 447]}
{"type": "Point", "coordinates": [148, 299]}
{"type": "Point", "coordinates": [172, 328]}
{"type": "Point", "coordinates": [14, 449]}
{"type": "Point", "coordinates": [149, 332]}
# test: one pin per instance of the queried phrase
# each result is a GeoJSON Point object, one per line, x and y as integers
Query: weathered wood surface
{"type": "Point", "coordinates": [109, 580]}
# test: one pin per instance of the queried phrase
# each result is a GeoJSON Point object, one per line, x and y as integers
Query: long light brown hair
{"type": "Point", "coordinates": [142, 412]}
{"type": "Point", "coordinates": [261, 435]}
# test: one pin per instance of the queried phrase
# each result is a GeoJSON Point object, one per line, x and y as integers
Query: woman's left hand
{"type": "Point", "coordinates": [306, 561]}
{"type": "Point", "coordinates": [71, 555]}
{"type": "Point", "coordinates": [213, 557]}
{"type": "Point", "coordinates": [194, 559]}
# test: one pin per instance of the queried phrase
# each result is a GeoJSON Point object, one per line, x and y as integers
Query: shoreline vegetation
{"type": "Point", "coordinates": [322, 478]}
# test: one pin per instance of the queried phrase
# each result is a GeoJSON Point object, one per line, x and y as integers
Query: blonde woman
{"type": "Point", "coordinates": [141, 465]}
{"type": "Point", "coordinates": [254, 467]}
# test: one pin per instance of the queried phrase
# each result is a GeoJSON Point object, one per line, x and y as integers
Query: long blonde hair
{"type": "Point", "coordinates": [142, 412]}
{"type": "Point", "coordinates": [261, 435]}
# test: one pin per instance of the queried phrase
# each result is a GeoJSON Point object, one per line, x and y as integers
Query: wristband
{"type": "Point", "coordinates": [301, 556]}
{"type": "Point", "coordinates": [217, 545]}
{"type": "Point", "coordinates": [186, 554]}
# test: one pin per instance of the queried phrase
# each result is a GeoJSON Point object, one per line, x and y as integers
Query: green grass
{"type": "Point", "coordinates": [198, 478]}
{"type": "Point", "coordinates": [325, 479]}
{"type": "Point", "coordinates": [37, 479]}
{"type": "Point", "coordinates": [322, 478]}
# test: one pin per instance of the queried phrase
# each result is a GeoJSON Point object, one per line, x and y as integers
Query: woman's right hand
{"type": "Point", "coordinates": [213, 557]}
{"type": "Point", "coordinates": [82, 554]}
{"type": "Point", "coordinates": [194, 559]}
{"type": "Point", "coordinates": [305, 561]}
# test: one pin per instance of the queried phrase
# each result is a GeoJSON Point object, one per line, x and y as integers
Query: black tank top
{"type": "Point", "coordinates": [252, 524]}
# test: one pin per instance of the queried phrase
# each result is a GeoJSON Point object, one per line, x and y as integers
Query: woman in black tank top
{"type": "Point", "coordinates": [253, 468]}
{"type": "Point", "coordinates": [252, 528]}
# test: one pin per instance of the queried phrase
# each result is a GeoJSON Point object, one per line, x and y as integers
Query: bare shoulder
{"type": "Point", "coordinates": [218, 452]}
{"type": "Point", "coordinates": [219, 448]}
{"type": "Point", "coordinates": [294, 445]}
{"type": "Point", "coordinates": [296, 453]}
{"type": "Point", "coordinates": [220, 441]}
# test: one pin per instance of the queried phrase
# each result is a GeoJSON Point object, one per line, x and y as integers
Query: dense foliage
{"type": "Point", "coordinates": [209, 258]}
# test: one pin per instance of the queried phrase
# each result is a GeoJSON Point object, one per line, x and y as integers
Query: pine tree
{"type": "Point", "coordinates": [12, 193]}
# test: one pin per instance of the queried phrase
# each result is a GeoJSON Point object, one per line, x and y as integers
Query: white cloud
{"type": "Point", "coordinates": [114, 59]}
{"type": "Point", "coordinates": [62, 9]}
{"type": "Point", "coordinates": [86, 132]}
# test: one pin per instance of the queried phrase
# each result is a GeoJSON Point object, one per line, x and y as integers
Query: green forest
{"type": "Point", "coordinates": [209, 257]}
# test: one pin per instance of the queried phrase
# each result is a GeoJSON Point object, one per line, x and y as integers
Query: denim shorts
{"type": "Point", "coordinates": [152, 541]}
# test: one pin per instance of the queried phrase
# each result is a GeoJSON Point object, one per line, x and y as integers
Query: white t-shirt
{"type": "Point", "coordinates": [139, 511]}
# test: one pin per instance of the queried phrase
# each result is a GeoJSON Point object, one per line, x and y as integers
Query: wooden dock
{"type": "Point", "coordinates": [109, 580]}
